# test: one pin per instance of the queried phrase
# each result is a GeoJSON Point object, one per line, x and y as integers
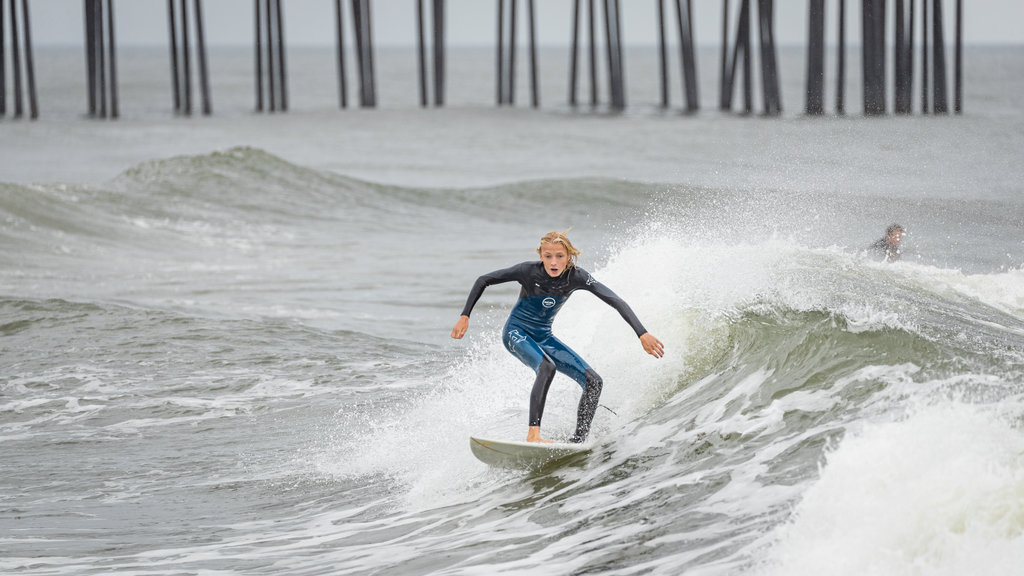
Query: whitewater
{"type": "Point", "coordinates": [224, 342]}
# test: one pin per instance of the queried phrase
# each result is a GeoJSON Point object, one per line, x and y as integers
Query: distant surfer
{"type": "Point", "coordinates": [546, 285]}
{"type": "Point", "coordinates": [889, 246]}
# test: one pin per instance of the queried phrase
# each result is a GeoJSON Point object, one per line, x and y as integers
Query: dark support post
{"type": "Point", "coordinates": [361, 22]}
{"type": "Point", "coordinates": [769, 67]}
{"type": "Point", "coordinates": [534, 89]}
{"type": "Point", "coordinates": [591, 51]}
{"type": "Point", "coordinates": [724, 97]}
{"type": "Point", "coordinates": [574, 51]}
{"type": "Point", "coordinates": [901, 67]}
{"type": "Point", "coordinates": [90, 53]}
{"type": "Point", "coordinates": [684, 13]}
{"type": "Point", "coordinates": [958, 88]}
{"type": "Point", "coordinates": [592, 14]}
{"type": "Point", "coordinates": [204, 74]}
{"type": "Point", "coordinates": [841, 64]}
{"type": "Point", "coordinates": [510, 83]}
{"type": "Point", "coordinates": [16, 60]}
{"type": "Point", "coordinates": [3, 66]}
{"type": "Point", "coordinates": [101, 55]}
{"type": "Point", "coordinates": [368, 39]}
{"type": "Point", "coordinates": [186, 57]}
{"type": "Point", "coordinates": [662, 54]}
{"type": "Point", "coordinates": [283, 71]}
{"type": "Point", "coordinates": [30, 67]}
{"type": "Point", "coordinates": [268, 7]}
{"type": "Point", "coordinates": [439, 53]}
{"type": "Point", "coordinates": [357, 28]}
{"type": "Point", "coordinates": [873, 20]}
{"type": "Point", "coordinates": [925, 65]}
{"type": "Point", "coordinates": [340, 38]}
{"type": "Point", "coordinates": [742, 47]}
{"type": "Point", "coordinates": [500, 88]}
{"type": "Point", "coordinates": [115, 110]}
{"type": "Point", "coordinates": [748, 79]}
{"type": "Point", "coordinates": [910, 58]}
{"type": "Point", "coordinates": [258, 56]}
{"type": "Point", "coordinates": [613, 34]}
{"type": "Point", "coordinates": [608, 15]}
{"type": "Point", "coordinates": [269, 56]}
{"type": "Point", "coordinates": [815, 104]}
{"type": "Point", "coordinates": [619, 68]}
{"type": "Point", "coordinates": [939, 46]}
{"type": "Point", "coordinates": [421, 45]}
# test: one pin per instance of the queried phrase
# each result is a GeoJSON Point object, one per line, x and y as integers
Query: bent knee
{"type": "Point", "coordinates": [547, 366]}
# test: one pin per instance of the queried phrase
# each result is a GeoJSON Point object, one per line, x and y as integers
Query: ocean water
{"type": "Point", "coordinates": [224, 341]}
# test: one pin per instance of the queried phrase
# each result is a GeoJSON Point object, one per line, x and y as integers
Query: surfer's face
{"type": "Point", "coordinates": [895, 237]}
{"type": "Point", "coordinates": [555, 259]}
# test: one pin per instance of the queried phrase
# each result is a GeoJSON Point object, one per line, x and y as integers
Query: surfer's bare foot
{"type": "Point", "coordinates": [534, 435]}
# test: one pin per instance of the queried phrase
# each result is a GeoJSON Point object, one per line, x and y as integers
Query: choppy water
{"type": "Point", "coordinates": [224, 343]}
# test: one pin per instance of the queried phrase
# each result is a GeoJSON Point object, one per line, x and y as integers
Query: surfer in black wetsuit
{"type": "Point", "coordinates": [889, 246]}
{"type": "Point", "coordinates": [546, 285]}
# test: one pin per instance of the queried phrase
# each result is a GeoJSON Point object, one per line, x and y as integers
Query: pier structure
{"type": "Point", "coordinates": [22, 64]}
{"type": "Point", "coordinates": [178, 18]}
{"type": "Point", "coordinates": [741, 48]}
{"type": "Point", "coordinates": [874, 56]}
{"type": "Point", "coordinates": [740, 21]}
{"type": "Point", "coordinates": [101, 59]}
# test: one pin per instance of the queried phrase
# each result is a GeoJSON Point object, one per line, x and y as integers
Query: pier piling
{"type": "Point", "coordinates": [769, 61]}
{"type": "Point", "coordinates": [271, 81]}
{"type": "Point", "coordinates": [741, 47]}
{"type": "Point", "coordinates": [101, 59]}
{"type": "Point", "coordinates": [181, 56]}
{"type": "Point", "coordinates": [873, 56]}
{"type": "Point", "coordinates": [362, 26]}
{"type": "Point", "coordinates": [662, 55]}
{"type": "Point", "coordinates": [815, 97]}
{"type": "Point", "coordinates": [438, 17]}
{"type": "Point", "coordinates": [591, 52]}
{"type": "Point", "coordinates": [339, 31]}
{"type": "Point", "coordinates": [21, 61]}
{"type": "Point", "coordinates": [270, 57]}
{"type": "Point", "coordinates": [958, 88]}
{"type": "Point", "coordinates": [687, 55]}
{"type": "Point", "coordinates": [903, 58]}
{"type": "Point", "coordinates": [507, 50]}
{"type": "Point", "coordinates": [939, 94]}
{"type": "Point", "coordinates": [437, 50]}
{"type": "Point", "coordinates": [841, 61]}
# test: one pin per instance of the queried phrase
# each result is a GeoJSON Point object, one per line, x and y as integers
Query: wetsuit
{"type": "Point", "coordinates": [889, 252]}
{"type": "Point", "coordinates": [527, 333]}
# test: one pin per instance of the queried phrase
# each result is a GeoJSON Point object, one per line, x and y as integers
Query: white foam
{"type": "Point", "coordinates": [940, 492]}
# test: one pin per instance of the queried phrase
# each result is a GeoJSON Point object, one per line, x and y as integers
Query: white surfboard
{"type": "Point", "coordinates": [515, 454]}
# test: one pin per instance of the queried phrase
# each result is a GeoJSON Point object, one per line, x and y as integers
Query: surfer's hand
{"type": "Point", "coordinates": [460, 327]}
{"type": "Point", "coordinates": [652, 345]}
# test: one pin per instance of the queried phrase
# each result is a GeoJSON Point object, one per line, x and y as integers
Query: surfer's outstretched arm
{"type": "Point", "coordinates": [491, 278]}
{"type": "Point", "coordinates": [651, 345]}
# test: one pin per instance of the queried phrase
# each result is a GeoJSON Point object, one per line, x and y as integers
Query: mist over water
{"type": "Point", "coordinates": [224, 342]}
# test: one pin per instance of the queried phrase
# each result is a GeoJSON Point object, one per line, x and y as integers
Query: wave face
{"type": "Point", "coordinates": [232, 363]}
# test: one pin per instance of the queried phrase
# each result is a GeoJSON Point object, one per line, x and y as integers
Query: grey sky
{"type": "Point", "coordinates": [311, 22]}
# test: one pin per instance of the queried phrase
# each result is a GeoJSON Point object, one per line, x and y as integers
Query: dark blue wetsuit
{"type": "Point", "coordinates": [527, 333]}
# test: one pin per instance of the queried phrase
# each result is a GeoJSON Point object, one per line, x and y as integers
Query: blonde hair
{"type": "Point", "coordinates": [561, 238]}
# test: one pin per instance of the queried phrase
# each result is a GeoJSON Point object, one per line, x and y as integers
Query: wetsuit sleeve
{"type": "Point", "coordinates": [497, 277]}
{"type": "Point", "coordinates": [612, 299]}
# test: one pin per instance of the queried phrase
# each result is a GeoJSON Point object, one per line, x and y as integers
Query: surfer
{"type": "Point", "coordinates": [889, 246]}
{"type": "Point", "coordinates": [546, 285]}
